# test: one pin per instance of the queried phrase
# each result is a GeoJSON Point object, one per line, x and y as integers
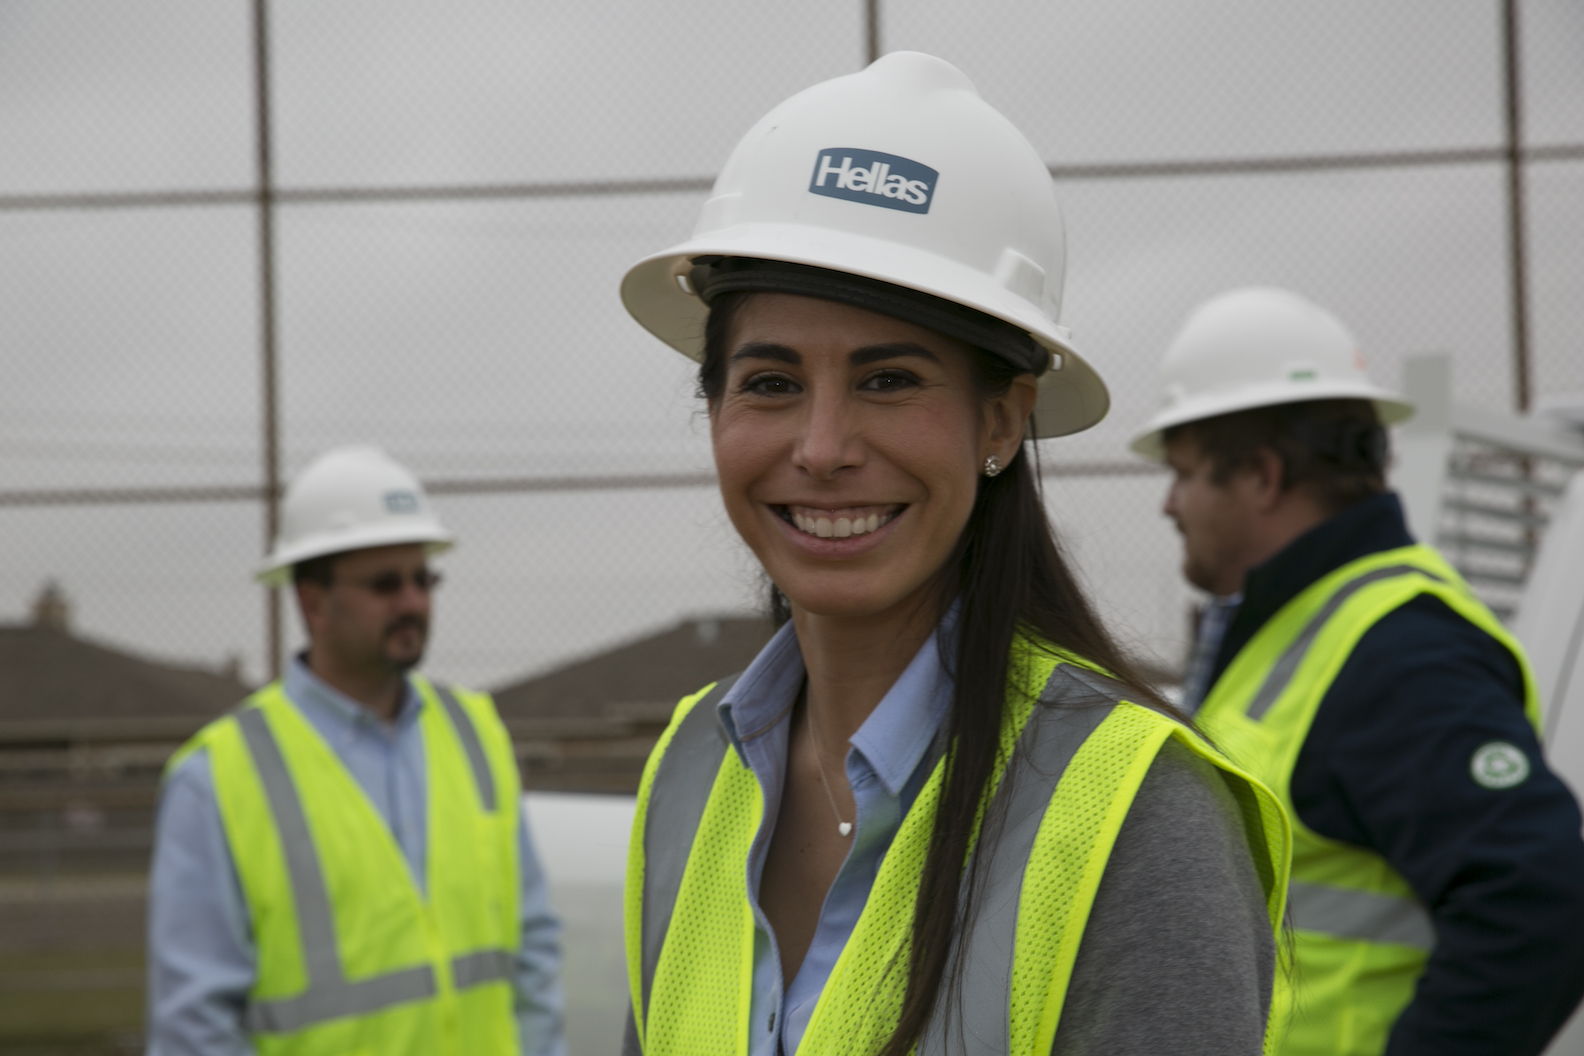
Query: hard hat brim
{"type": "Point", "coordinates": [1072, 396]}
{"type": "Point", "coordinates": [1150, 443]}
{"type": "Point", "coordinates": [276, 571]}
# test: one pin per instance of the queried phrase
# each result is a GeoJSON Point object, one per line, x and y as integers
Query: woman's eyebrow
{"type": "Point", "coordinates": [767, 350]}
{"type": "Point", "coordinates": [890, 350]}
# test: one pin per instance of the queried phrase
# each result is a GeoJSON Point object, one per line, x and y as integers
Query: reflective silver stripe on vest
{"type": "Point", "coordinates": [677, 799]}
{"type": "Point", "coordinates": [1073, 705]}
{"type": "Point", "coordinates": [1347, 914]}
{"type": "Point", "coordinates": [468, 734]}
{"type": "Point", "coordinates": [322, 1003]}
{"type": "Point", "coordinates": [1281, 675]}
{"type": "Point", "coordinates": [480, 967]}
{"type": "Point", "coordinates": [330, 995]}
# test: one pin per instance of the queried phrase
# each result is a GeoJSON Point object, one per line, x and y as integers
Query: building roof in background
{"type": "Point", "coordinates": [47, 675]}
{"type": "Point", "coordinates": [642, 680]}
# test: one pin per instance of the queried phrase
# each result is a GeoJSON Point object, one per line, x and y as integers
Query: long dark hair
{"type": "Point", "coordinates": [1010, 575]}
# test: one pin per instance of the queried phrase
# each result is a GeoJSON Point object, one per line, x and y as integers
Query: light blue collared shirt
{"type": "Point", "coordinates": [887, 765]}
{"type": "Point", "coordinates": [202, 959]}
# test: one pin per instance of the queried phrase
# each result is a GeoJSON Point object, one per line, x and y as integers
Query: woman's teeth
{"type": "Point", "coordinates": [839, 524]}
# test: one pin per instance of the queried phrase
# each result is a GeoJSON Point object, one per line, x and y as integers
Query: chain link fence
{"type": "Point", "coordinates": [453, 194]}
{"type": "Point", "coordinates": [414, 236]}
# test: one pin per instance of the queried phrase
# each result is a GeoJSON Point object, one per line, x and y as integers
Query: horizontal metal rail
{"type": "Point", "coordinates": [1512, 437]}
{"type": "Point", "coordinates": [1482, 575]}
{"type": "Point", "coordinates": [524, 485]}
{"type": "Point", "coordinates": [13, 841]}
{"type": "Point", "coordinates": [70, 980]}
{"type": "Point", "coordinates": [1460, 541]}
{"type": "Point", "coordinates": [173, 729]}
{"type": "Point", "coordinates": [95, 496]}
{"type": "Point", "coordinates": [59, 790]}
{"type": "Point", "coordinates": [91, 496]}
{"type": "Point", "coordinates": [197, 198]}
{"type": "Point", "coordinates": [133, 496]}
{"type": "Point", "coordinates": [460, 192]}
{"type": "Point", "coordinates": [159, 733]}
{"type": "Point", "coordinates": [1498, 513]}
{"type": "Point", "coordinates": [1399, 159]}
{"type": "Point", "coordinates": [1527, 486]}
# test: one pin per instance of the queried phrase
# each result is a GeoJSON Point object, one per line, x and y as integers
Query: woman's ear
{"type": "Point", "coordinates": [1006, 420]}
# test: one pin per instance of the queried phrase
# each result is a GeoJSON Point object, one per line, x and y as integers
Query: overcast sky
{"type": "Point", "coordinates": [478, 339]}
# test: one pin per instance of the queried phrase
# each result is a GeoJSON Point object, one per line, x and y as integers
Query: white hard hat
{"type": "Point", "coordinates": [350, 499]}
{"type": "Point", "coordinates": [1258, 347]}
{"type": "Point", "coordinates": [901, 174]}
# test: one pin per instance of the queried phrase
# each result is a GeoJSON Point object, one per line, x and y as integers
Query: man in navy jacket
{"type": "Point", "coordinates": [1419, 751]}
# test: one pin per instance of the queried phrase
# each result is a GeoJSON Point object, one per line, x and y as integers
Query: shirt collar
{"type": "Point", "coordinates": [310, 692]}
{"type": "Point", "coordinates": [895, 736]}
{"type": "Point", "coordinates": [900, 730]}
{"type": "Point", "coordinates": [765, 692]}
{"type": "Point", "coordinates": [1367, 527]}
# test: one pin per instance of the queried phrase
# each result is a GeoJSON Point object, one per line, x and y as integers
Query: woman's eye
{"type": "Point", "coordinates": [768, 385]}
{"type": "Point", "coordinates": [889, 381]}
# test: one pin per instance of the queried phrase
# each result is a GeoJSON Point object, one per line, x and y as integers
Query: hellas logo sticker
{"type": "Point", "coordinates": [873, 178]}
{"type": "Point", "coordinates": [401, 502]}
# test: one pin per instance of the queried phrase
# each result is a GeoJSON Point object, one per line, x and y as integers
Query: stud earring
{"type": "Point", "coordinates": [992, 466]}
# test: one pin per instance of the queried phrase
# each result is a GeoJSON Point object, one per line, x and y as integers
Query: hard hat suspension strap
{"type": "Point", "coordinates": [712, 276]}
{"type": "Point", "coordinates": [1353, 444]}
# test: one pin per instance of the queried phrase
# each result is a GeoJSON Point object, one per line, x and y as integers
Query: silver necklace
{"type": "Point", "coordinates": [843, 827]}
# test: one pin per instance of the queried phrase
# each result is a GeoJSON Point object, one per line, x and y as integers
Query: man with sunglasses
{"type": "Point", "coordinates": [342, 864]}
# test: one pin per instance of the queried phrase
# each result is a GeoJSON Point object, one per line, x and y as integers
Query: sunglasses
{"type": "Point", "coordinates": [389, 584]}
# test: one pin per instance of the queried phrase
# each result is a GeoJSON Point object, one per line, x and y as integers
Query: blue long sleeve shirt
{"type": "Point", "coordinates": [202, 957]}
{"type": "Point", "coordinates": [886, 768]}
{"type": "Point", "coordinates": [1386, 765]}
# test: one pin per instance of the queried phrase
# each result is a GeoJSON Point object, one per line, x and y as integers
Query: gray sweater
{"type": "Point", "coordinates": [1178, 956]}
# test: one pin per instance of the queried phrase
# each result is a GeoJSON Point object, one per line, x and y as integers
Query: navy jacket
{"type": "Point", "coordinates": [1386, 766]}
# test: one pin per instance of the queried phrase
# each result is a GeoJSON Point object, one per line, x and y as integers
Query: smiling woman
{"type": "Point", "coordinates": [939, 810]}
{"type": "Point", "coordinates": [826, 417]}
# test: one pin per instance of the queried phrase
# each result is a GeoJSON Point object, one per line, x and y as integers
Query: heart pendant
{"type": "Point", "coordinates": [844, 828]}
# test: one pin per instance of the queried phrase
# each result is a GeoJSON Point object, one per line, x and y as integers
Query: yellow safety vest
{"type": "Point", "coordinates": [1078, 761]}
{"type": "Point", "coordinates": [1361, 936]}
{"type": "Point", "coordinates": [352, 959]}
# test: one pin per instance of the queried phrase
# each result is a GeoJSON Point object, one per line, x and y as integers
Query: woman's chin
{"type": "Point", "coordinates": [848, 595]}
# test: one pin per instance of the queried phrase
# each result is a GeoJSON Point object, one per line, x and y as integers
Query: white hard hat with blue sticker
{"type": "Point", "coordinates": [903, 176]}
{"type": "Point", "coordinates": [351, 498]}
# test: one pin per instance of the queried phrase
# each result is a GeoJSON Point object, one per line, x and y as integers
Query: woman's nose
{"type": "Point", "coordinates": [828, 441]}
